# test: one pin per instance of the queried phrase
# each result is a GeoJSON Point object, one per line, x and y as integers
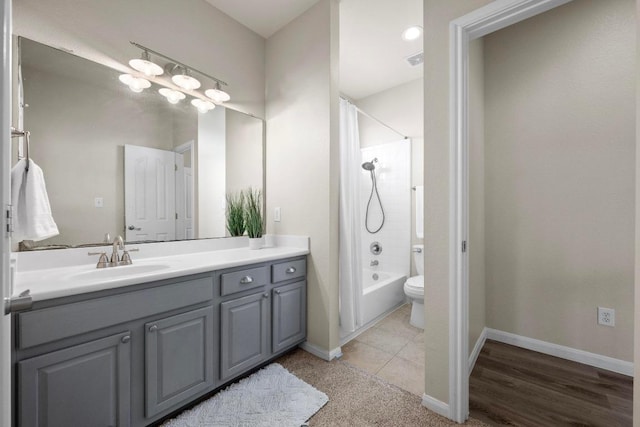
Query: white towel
{"type": "Point", "coordinates": [32, 218]}
{"type": "Point", "coordinates": [419, 211]}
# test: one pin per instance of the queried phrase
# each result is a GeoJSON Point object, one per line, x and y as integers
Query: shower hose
{"type": "Point", "coordinates": [374, 189]}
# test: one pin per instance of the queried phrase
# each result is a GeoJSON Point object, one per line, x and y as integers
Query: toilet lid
{"type": "Point", "coordinates": [415, 282]}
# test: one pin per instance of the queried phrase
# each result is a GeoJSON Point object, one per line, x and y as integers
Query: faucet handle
{"type": "Point", "coordinates": [103, 261]}
{"type": "Point", "coordinates": [126, 258]}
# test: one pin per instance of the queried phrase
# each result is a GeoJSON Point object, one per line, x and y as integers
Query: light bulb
{"type": "Point", "coordinates": [203, 106]}
{"type": "Point", "coordinates": [173, 96]}
{"type": "Point", "coordinates": [146, 67]}
{"type": "Point", "coordinates": [412, 33]}
{"type": "Point", "coordinates": [136, 84]}
{"type": "Point", "coordinates": [217, 95]}
{"type": "Point", "coordinates": [186, 82]}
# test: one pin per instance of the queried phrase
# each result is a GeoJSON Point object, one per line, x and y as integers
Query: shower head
{"type": "Point", "coordinates": [369, 166]}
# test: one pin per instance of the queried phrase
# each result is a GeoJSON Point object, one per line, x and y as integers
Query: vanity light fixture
{"type": "Point", "coordinates": [412, 33]}
{"type": "Point", "coordinates": [181, 76]}
{"type": "Point", "coordinates": [217, 95]}
{"type": "Point", "coordinates": [202, 105]}
{"type": "Point", "coordinates": [145, 66]}
{"type": "Point", "coordinates": [173, 96]}
{"type": "Point", "coordinates": [136, 84]}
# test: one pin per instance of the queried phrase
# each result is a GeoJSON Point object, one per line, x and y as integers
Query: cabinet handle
{"type": "Point", "coordinates": [265, 295]}
{"type": "Point", "coordinates": [153, 328]}
{"type": "Point", "coordinates": [125, 339]}
{"type": "Point", "coordinates": [278, 291]}
{"type": "Point", "coordinates": [290, 270]}
{"type": "Point", "coordinates": [246, 280]}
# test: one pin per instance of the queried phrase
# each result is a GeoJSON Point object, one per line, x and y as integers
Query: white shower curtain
{"type": "Point", "coordinates": [350, 260]}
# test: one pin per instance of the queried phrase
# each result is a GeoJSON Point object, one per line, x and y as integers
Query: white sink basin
{"type": "Point", "coordinates": [120, 271]}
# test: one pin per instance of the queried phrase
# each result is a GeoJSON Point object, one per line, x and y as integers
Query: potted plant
{"type": "Point", "coordinates": [235, 214]}
{"type": "Point", "coordinates": [253, 217]}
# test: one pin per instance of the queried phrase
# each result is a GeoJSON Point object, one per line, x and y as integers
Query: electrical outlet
{"type": "Point", "coordinates": [606, 316]}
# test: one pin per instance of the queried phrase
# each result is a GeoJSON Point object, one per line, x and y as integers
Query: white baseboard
{"type": "Point", "coordinates": [476, 350]}
{"type": "Point", "coordinates": [580, 356]}
{"type": "Point", "coordinates": [320, 352]}
{"type": "Point", "coordinates": [435, 405]}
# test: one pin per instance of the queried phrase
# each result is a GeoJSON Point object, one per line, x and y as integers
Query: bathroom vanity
{"type": "Point", "coordinates": [132, 351]}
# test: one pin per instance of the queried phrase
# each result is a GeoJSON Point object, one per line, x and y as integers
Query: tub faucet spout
{"type": "Point", "coordinates": [374, 263]}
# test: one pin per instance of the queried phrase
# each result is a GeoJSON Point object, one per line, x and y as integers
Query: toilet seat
{"type": "Point", "coordinates": [414, 287]}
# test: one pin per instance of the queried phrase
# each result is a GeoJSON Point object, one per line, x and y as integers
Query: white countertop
{"type": "Point", "coordinates": [66, 280]}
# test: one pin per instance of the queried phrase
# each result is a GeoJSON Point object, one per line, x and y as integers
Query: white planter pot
{"type": "Point", "coordinates": [255, 243]}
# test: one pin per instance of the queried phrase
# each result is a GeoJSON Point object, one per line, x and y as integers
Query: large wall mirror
{"type": "Point", "coordinates": [132, 164]}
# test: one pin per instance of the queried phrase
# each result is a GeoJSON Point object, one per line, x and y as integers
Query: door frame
{"type": "Point", "coordinates": [5, 196]}
{"type": "Point", "coordinates": [485, 20]}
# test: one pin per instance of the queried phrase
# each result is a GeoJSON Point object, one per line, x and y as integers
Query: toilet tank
{"type": "Point", "coordinates": [418, 258]}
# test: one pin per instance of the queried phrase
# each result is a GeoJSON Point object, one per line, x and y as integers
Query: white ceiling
{"type": "Point", "coordinates": [264, 17]}
{"type": "Point", "coordinates": [372, 51]}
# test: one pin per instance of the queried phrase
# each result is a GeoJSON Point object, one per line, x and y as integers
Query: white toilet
{"type": "Point", "coordinates": [414, 289]}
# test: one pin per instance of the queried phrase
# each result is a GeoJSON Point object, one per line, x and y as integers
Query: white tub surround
{"type": "Point", "coordinates": [381, 295]}
{"type": "Point", "coordinates": [60, 273]}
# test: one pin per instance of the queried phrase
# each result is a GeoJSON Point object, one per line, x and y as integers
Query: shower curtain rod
{"type": "Point", "coordinates": [373, 118]}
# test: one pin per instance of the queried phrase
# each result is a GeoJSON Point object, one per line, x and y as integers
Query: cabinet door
{"type": "Point", "coordinates": [244, 325]}
{"type": "Point", "coordinates": [85, 385]}
{"type": "Point", "coordinates": [178, 359]}
{"type": "Point", "coordinates": [289, 318]}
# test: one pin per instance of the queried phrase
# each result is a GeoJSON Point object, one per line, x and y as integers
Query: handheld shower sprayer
{"type": "Point", "coordinates": [369, 166]}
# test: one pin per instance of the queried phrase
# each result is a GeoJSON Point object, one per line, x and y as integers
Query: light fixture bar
{"type": "Point", "coordinates": [144, 48]}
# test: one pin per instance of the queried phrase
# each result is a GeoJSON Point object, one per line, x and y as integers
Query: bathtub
{"type": "Point", "coordinates": [382, 292]}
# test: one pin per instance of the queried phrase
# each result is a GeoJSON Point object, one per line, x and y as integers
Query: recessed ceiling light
{"type": "Point", "coordinates": [412, 33]}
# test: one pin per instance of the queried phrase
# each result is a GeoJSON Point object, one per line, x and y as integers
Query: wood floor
{"type": "Point", "coordinates": [516, 387]}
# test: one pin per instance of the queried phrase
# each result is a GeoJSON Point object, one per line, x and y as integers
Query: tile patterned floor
{"type": "Point", "coordinates": [392, 350]}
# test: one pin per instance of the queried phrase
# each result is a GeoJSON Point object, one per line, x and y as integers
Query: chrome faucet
{"type": "Point", "coordinates": [374, 263]}
{"type": "Point", "coordinates": [116, 260]}
{"type": "Point", "coordinates": [118, 243]}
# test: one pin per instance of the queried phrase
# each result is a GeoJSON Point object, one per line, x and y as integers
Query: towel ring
{"type": "Point", "coordinates": [16, 133]}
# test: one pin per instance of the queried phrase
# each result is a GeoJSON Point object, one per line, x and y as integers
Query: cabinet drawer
{"type": "Point", "coordinates": [241, 280]}
{"type": "Point", "coordinates": [288, 270]}
{"type": "Point", "coordinates": [51, 324]}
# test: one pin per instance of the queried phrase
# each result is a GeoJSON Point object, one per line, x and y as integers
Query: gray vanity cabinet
{"type": "Point", "coordinates": [289, 310]}
{"type": "Point", "coordinates": [84, 385]}
{"type": "Point", "coordinates": [179, 359]}
{"type": "Point", "coordinates": [129, 357]}
{"type": "Point", "coordinates": [244, 325]}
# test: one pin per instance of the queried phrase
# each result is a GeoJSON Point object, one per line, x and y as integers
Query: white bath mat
{"type": "Point", "coordinates": [271, 397]}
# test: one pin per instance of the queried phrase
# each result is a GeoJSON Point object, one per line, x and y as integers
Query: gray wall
{"type": "Point", "coordinates": [302, 153]}
{"type": "Point", "coordinates": [560, 149]}
{"type": "Point", "coordinates": [437, 15]}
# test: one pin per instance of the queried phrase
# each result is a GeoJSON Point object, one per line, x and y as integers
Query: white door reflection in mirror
{"type": "Point", "coordinates": [149, 194]}
{"type": "Point", "coordinates": [185, 191]}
